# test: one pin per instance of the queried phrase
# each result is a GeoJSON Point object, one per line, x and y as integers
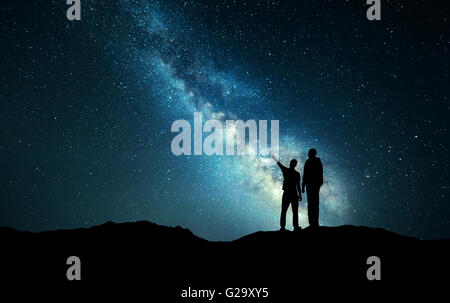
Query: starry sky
{"type": "Point", "coordinates": [87, 106]}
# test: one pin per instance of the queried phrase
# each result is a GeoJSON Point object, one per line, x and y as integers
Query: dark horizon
{"type": "Point", "coordinates": [323, 229]}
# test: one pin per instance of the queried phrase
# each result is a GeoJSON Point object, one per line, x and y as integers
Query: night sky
{"type": "Point", "coordinates": [86, 109]}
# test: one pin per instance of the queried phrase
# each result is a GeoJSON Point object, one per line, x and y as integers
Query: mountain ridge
{"type": "Point", "coordinates": [347, 228]}
{"type": "Point", "coordinates": [173, 258]}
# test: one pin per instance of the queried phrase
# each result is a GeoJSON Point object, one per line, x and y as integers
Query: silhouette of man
{"type": "Point", "coordinates": [291, 193]}
{"type": "Point", "coordinates": [312, 180]}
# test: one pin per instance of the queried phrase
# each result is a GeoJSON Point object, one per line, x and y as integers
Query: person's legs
{"type": "Point", "coordinates": [316, 206]}
{"type": "Point", "coordinates": [294, 205]}
{"type": "Point", "coordinates": [315, 214]}
{"type": "Point", "coordinates": [312, 194]}
{"type": "Point", "coordinates": [284, 207]}
{"type": "Point", "coordinates": [316, 210]}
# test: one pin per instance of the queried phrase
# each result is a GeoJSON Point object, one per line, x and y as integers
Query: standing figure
{"type": "Point", "coordinates": [291, 193]}
{"type": "Point", "coordinates": [312, 180]}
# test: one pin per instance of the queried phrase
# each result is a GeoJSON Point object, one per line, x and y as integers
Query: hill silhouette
{"type": "Point", "coordinates": [169, 259]}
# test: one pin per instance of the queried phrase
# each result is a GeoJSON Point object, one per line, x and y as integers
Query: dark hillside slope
{"type": "Point", "coordinates": [167, 260]}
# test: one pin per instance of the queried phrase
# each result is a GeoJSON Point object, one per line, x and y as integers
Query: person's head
{"type": "Point", "coordinates": [293, 163]}
{"type": "Point", "coordinates": [312, 153]}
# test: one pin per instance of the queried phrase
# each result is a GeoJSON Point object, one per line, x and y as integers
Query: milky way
{"type": "Point", "coordinates": [186, 81]}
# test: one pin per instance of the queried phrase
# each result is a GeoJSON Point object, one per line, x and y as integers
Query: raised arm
{"type": "Point", "coordinates": [275, 158]}
{"type": "Point", "coordinates": [278, 162]}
